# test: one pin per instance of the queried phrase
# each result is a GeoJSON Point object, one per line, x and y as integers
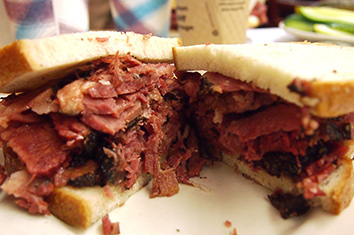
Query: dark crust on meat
{"type": "Point", "coordinates": [277, 163]}
{"type": "Point", "coordinates": [89, 179]}
{"type": "Point", "coordinates": [288, 205]}
{"type": "Point", "coordinates": [301, 87]}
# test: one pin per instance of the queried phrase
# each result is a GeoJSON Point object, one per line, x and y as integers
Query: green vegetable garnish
{"type": "Point", "coordinates": [327, 14]}
{"type": "Point", "coordinates": [324, 20]}
{"type": "Point", "coordinates": [298, 22]}
{"type": "Point", "coordinates": [325, 29]}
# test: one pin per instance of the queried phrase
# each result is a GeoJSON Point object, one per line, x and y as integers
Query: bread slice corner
{"type": "Point", "coordinates": [338, 187]}
{"type": "Point", "coordinates": [81, 207]}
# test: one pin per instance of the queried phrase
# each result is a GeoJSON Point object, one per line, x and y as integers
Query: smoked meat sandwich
{"type": "Point", "coordinates": [281, 114]}
{"type": "Point", "coordinates": [90, 119]}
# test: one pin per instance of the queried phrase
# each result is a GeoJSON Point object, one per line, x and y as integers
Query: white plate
{"type": "Point", "coordinates": [226, 196]}
{"type": "Point", "coordinates": [312, 36]}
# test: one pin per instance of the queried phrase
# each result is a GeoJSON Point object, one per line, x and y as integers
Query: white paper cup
{"type": "Point", "coordinates": [210, 21]}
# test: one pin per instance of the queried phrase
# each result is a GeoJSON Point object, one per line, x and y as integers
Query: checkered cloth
{"type": "Point", "coordinates": [142, 16]}
{"type": "Point", "coordinates": [38, 18]}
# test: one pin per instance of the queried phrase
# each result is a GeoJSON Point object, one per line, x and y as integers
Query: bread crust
{"type": "Point", "coordinates": [70, 208]}
{"type": "Point", "coordinates": [339, 187]}
{"type": "Point", "coordinates": [27, 64]}
{"type": "Point", "coordinates": [342, 194]}
{"type": "Point", "coordinates": [19, 66]}
{"type": "Point", "coordinates": [328, 69]}
{"type": "Point", "coordinates": [335, 98]}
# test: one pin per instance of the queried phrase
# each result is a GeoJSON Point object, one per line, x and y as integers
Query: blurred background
{"type": "Point", "coordinates": [143, 16]}
{"type": "Point", "coordinates": [263, 13]}
{"type": "Point", "coordinates": [278, 10]}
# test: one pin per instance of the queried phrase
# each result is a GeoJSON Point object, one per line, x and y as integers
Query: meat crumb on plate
{"type": "Point", "coordinates": [228, 224]}
{"type": "Point", "coordinates": [234, 231]}
{"type": "Point", "coordinates": [109, 227]}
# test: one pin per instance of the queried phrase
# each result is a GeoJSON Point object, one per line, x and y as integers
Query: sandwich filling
{"type": "Point", "coordinates": [266, 132]}
{"type": "Point", "coordinates": [107, 123]}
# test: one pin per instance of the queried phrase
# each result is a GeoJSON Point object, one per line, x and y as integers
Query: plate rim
{"type": "Point", "coordinates": [306, 35]}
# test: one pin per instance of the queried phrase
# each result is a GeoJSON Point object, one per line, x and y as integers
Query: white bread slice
{"type": "Point", "coordinates": [82, 207]}
{"type": "Point", "coordinates": [27, 64]}
{"type": "Point", "coordinates": [338, 187]}
{"type": "Point", "coordinates": [328, 68]}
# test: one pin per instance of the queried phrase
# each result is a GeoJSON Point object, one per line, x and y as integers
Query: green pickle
{"type": "Point", "coordinates": [298, 22]}
{"type": "Point", "coordinates": [342, 27]}
{"type": "Point", "coordinates": [325, 29]}
{"type": "Point", "coordinates": [327, 14]}
{"type": "Point", "coordinates": [324, 20]}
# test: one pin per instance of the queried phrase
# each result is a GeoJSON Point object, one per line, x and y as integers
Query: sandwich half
{"type": "Point", "coordinates": [90, 118]}
{"type": "Point", "coordinates": [281, 114]}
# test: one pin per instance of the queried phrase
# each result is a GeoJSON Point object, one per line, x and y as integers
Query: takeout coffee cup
{"type": "Point", "coordinates": [210, 21]}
